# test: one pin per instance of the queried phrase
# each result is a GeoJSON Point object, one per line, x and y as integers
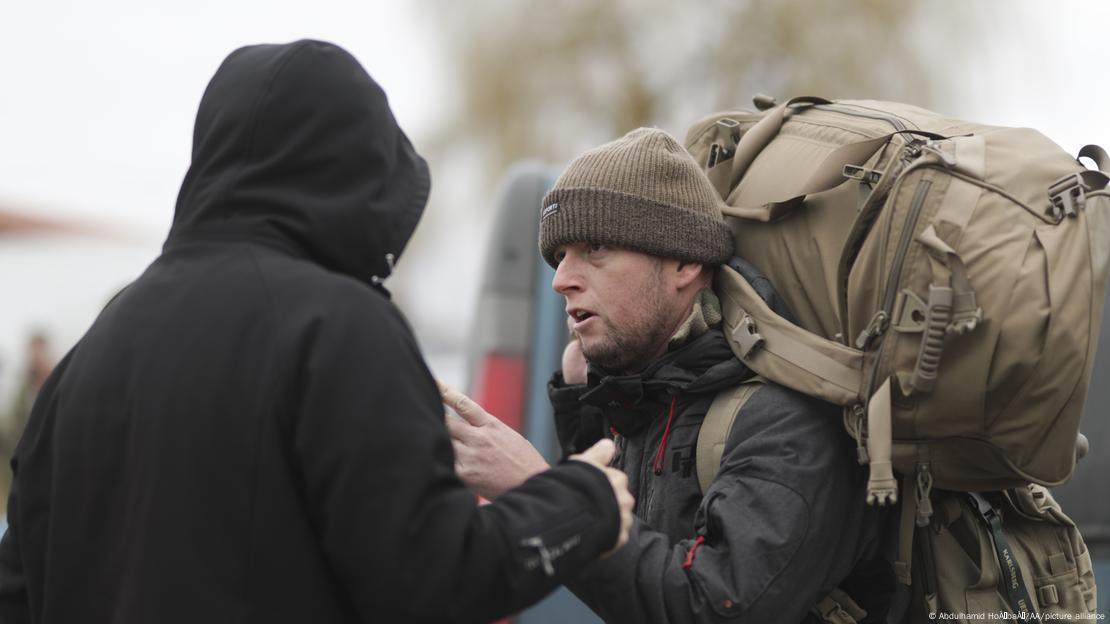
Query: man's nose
{"type": "Point", "coordinates": [566, 278]}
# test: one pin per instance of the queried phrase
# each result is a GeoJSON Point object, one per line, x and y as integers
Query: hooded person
{"type": "Point", "coordinates": [248, 432]}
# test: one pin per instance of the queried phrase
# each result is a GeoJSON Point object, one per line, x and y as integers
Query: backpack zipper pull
{"type": "Point", "coordinates": [874, 329]}
{"type": "Point", "coordinates": [858, 414]}
{"type": "Point", "coordinates": [948, 159]}
{"type": "Point", "coordinates": [912, 150]}
{"type": "Point", "coordinates": [924, 491]}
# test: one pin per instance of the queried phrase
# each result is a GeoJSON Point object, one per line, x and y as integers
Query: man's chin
{"type": "Point", "coordinates": [603, 357]}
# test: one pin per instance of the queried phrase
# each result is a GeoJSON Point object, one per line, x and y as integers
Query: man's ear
{"type": "Point", "coordinates": [692, 273]}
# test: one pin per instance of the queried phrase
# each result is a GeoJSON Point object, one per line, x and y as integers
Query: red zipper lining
{"type": "Point", "coordinates": [657, 465]}
{"type": "Point", "coordinates": [690, 553]}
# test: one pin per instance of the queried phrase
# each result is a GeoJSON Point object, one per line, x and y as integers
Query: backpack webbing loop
{"type": "Point", "coordinates": [838, 608]}
{"type": "Point", "coordinates": [882, 488]}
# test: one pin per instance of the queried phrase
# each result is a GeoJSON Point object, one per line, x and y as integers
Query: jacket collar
{"type": "Point", "coordinates": [703, 365]}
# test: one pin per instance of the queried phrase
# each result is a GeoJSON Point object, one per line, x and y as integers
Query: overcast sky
{"type": "Point", "coordinates": [97, 101]}
{"type": "Point", "coordinates": [99, 97]}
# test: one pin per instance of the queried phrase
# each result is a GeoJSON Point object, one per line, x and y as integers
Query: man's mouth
{"type": "Point", "coordinates": [579, 315]}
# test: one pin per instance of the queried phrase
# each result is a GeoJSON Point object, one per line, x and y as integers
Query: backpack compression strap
{"type": "Point", "coordinates": [716, 426]}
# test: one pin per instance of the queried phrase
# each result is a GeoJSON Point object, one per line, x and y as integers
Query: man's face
{"type": "Point", "coordinates": [623, 304]}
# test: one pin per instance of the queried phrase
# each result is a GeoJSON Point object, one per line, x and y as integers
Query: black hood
{"type": "Point", "coordinates": [295, 145]}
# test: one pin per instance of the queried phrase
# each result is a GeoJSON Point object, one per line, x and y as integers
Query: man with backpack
{"type": "Point", "coordinates": [634, 231]}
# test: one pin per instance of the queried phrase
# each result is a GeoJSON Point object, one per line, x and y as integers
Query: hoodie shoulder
{"type": "Point", "coordinates": [306, 283]}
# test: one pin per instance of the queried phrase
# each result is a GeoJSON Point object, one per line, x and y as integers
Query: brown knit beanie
{"type": "Point", "coordinates": [642, 192]}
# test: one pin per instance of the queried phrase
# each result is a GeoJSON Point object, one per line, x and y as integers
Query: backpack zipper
{"type": "Point", "coordinates": [904, 241]}
{"type": "Point", "coordinates": [879, 324]}
{"type": "Point", "coordinates": [843, 109]}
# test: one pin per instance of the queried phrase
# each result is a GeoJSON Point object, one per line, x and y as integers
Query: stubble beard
{"type": "Point", "coordinates": [633, 346]}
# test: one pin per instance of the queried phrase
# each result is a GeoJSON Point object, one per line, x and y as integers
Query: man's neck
{"type": "Point", "coordinates": [702, 313]}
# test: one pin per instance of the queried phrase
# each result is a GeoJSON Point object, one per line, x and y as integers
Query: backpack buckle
{"type": "Point", "coordinates": [1067, 195]}
{"type": "Point", "coordinates": [730, 127]}
{"type": "Point", "coordinates": [720, 152]}
{"type": "Point", "coordinates": [746, 337]}
{"type": "Point", "coordinates": [863, 174]}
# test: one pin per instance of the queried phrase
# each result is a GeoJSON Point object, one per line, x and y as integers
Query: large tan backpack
{"type": "Point", "coordinates": [977, 555]}
{"type": "Point", "coordinates": [947, 280]}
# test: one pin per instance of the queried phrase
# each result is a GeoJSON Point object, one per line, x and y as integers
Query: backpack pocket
{"type": "Point", "coordinates": [961, 572]}
{"type": "Point", "coordinates": [1051, 551]}
{"type": "Point", "coordinates": [1035, 428]}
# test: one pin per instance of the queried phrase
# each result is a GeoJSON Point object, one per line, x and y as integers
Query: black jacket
{"type": "Point", "coordinates": [248, 432]}
{"type": "Point", "coordinates": [783, 523]}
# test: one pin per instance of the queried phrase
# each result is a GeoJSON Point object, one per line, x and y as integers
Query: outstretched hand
{"type": "Point", "coordinates": [490, 457]}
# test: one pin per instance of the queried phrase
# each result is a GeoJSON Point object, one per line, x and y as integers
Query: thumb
{"type": "Point", "coordinates": [463, 405]}
{"type": "Point", "coordinates": [599, 454]}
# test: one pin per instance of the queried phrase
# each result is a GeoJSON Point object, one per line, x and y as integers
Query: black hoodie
{"type": "Point", "coordinates": [248, 432]}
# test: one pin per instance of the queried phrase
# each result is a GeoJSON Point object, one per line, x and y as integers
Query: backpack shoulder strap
{"type": "Point", "coordinates": [835, 608]}
{"type": "Point", "coordinates": [716, 427]}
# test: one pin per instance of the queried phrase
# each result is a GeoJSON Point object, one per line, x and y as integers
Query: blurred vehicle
{"type": "Point", "coordinates": [520, 330]}
{"type": "Point", "coordinates": [517, 340]}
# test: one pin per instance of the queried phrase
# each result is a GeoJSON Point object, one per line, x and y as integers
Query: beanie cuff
{"type": "Point", "coordinates": [607, 217]}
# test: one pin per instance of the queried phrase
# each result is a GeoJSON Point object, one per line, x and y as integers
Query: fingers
{"type": "Point", "coordinates": [459, 430]}
{"type": "Point", "coordinates": [574, 363]}
{"type": "Point", "coordinates": [463, 405]}
{"type": "Point", "coordinates": [625, 502]}
{"type": "Point", "coordinates": [599, 454]}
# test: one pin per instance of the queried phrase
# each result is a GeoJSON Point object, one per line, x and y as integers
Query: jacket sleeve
{"type": "Point", "coordinates": [401, 532]}
{"type": "Point", "coordinates": [577, 426]}
{"type": "Point", "coordinates": [774, 521]}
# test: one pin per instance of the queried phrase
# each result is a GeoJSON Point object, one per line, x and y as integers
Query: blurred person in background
{"type": "Point", "coordinates": [248, 432]}
{"type": "Point", "coordinates": [40, 361]}
{"type": "Point", "coordinates": [634, 231]}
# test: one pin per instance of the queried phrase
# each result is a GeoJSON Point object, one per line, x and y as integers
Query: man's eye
{"type": "Point", "coordinates": [596, 247]}
{"type": "Point", "coordinates": [559, 255]}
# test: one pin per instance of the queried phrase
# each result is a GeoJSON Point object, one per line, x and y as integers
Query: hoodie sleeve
{"type": "Point", "coordinates": [778, 525]}
{"type": "Point", "coordinates": [401, 532]}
